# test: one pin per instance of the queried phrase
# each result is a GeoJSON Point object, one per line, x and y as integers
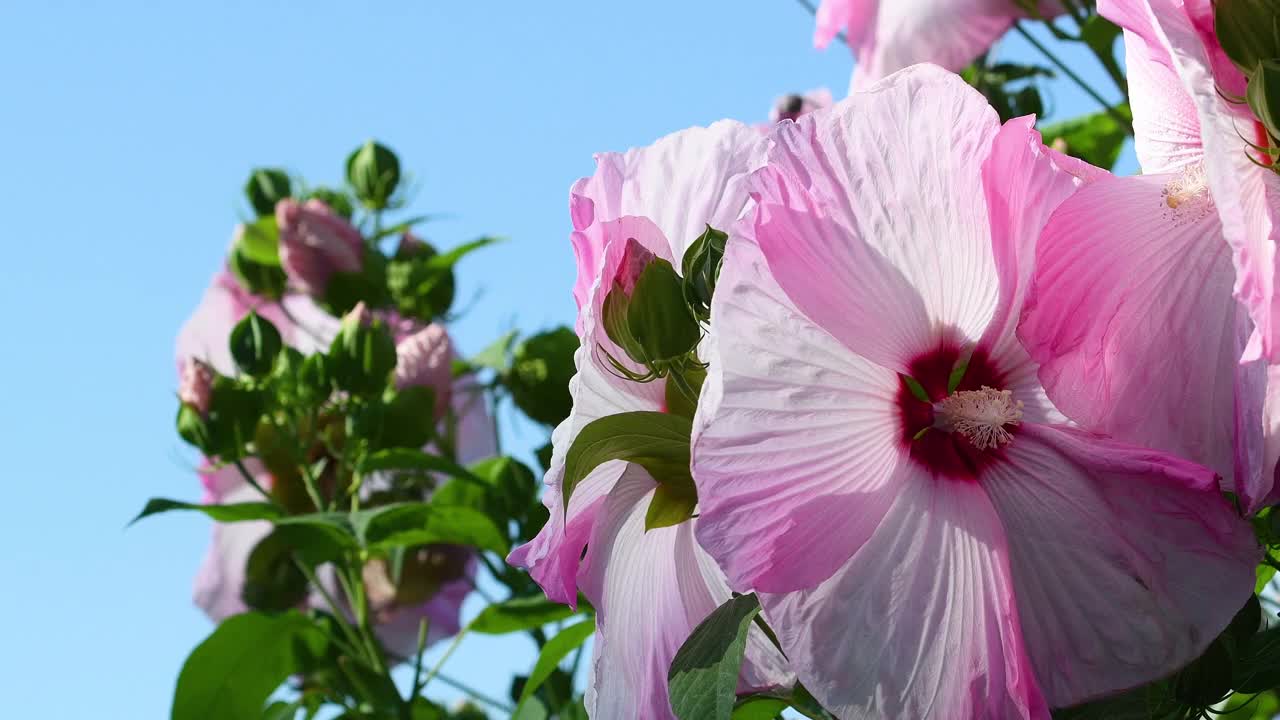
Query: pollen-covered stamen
{"type": "Point", "coordinates": [1189, 186]}
{"type": "Point", "coordinates": [979, 415]}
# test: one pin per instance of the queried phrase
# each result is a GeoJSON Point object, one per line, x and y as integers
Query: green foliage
{"type": "Point", "coordinates": [264, 279]}
{"type": "Point", "coordinates": [520, 614]}
{"type": "Point", "coordinates": [230, 675]}
{"type": "Point", "coordinates": [1097, 139]}
{"type": "Point", "coordinates": [1249, 31]}
{"type": "Point", "coordinates": [362, 357]}
{"type": "Point", "coordinates": [556, 649]}
{"type": "Point", "coordinates": [235, 512]}
{"type": "Point", "coordinates": [704, 674]}
{"type": "Point", "coordinates": [658, 442]}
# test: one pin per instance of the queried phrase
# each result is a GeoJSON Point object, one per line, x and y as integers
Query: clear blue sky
{"type": "Point", "coordinates": [128, 129]}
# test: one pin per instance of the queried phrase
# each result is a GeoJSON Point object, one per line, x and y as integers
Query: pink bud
{"type": "Point", "coordinates": [635, 258]}
{"type": "Point", "coordinates": [316, 242]}
{"type": "Point", "coordinates": [195, 386]}
{"type": "Point", "coordinates": [425, 359]}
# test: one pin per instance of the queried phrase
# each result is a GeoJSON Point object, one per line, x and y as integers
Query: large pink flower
{"type": "Point", "coordinates": [1184, 79]}
{"type": "Point", "coordinates": [650, 589]}
{"type": "Point", "coordinates": [221, 577]}
{"type": "Point", "coordinates": [1131, 267]}
{"type": "Point", "coordinates": [888, 36]}
{"type": "Point", "coordinates": [968, 555]}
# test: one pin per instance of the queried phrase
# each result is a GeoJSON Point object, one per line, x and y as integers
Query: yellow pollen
{"type": "Point", "coordinates": [979, 415]}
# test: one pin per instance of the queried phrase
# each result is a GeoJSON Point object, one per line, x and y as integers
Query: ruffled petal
{"type": "Point", "coordinates": [796, 439]}
{"type": "Point", "coordinates": [1024, 182]}
{"type": "Point", "coordinates": [1126, 563]}
{"type": "Point", "coordinates": [1136, 331]}
{"type": "Point", "coordinates": [683, 182]}
{"type": "Point", "coordinates": [900, 167]}
{"type": "Point", "coordinates": [921, 622]}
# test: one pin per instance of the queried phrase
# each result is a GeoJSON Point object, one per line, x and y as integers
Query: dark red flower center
{"type": "Point", "coordinates": [945, 454]}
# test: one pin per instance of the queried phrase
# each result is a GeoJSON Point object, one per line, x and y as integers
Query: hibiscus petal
{"type": "Point", "coordinates": [921, 621]}
{"type": "Point", "coordinates": [1023, 183]}
{"type": "Point", "coordinates": [649, 591]}
{"type": "Point", "coordinates": [796, 440]}
{"type": "Point", "coordinates": [221, 576]}
{"type": "Point", "coordinates": [1125, 287]}
{"type": "Point", "coordinates": [1166, 129]}
{"type": "Point", "coordinates": [683, 182]}
{"type": "Point", "coordinates": [900, 167]}
{"type": "Point", "coordinates": [1126, 562]}
{"type": "Point", "coordinates": [845, 286]}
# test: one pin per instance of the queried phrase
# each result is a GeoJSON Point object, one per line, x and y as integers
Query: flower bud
{"type": "Point", "coordinates": [1248, 30]}
{"type": "Point", "coordinates": [374, 171]}
{"type": "Point", "coordinates": [315, 243]}
{"type": "Point", "coordinates": [425, 359]}
{"type": "Point", "coordinates": [412, 246]}
{"type": "Point", "coordinates": [645, 313]}
{"type": "Point", "coordinates": [255, 343]}
{"type": "Point", "coordinates": [701, 266]}
{"type": "Point", "coordinates": [195, 386]}
{"type": "Point", "coordinates": [539, 377]}
{"type": "Point", "coordinates": [265, 188]}
{"type": "Point", "coordinates": [363, 353]}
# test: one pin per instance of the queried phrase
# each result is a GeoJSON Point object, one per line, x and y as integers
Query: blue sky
{"type": "Point", "coordinates": [128, 129]}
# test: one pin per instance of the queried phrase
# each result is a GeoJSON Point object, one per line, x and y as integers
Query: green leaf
{"type": "Point", "coordinates": [1264, 573]}
{"type": "Point", "coordinates": [260, 241]}
{"type": "Point", "coordinates": [1096, 139]}
{"type": "Point", "coordinates": [1247, 30]}
{"type": "Point", "coordinates": [400, 227]}
{"type": "Point", "coordinates": [449, 259]}
{"type": "Point", "coordinates": [410, 459]}
{"type": "Point", "coordinates": [759, 708]}
{"type": "Point", "coordinates": [272, 580]}
{"type": "Point", "coordinates": [497, 355]}
{"type": "Point", "coordinates": [231, 674]}
{"type": "Point", "coordinates": [408, 524]}
{"type": "Point", "coordinates": [552, 653]}
{"type": "Point", "coordinates": [704, 674]}
{"type": "Point", "coordinates": [657, 441]}
{"type": "Point", "coordinates": [678, 402]}
{"type": "Point", "coordinates": [318, 538]}
{"type": "Point", "coordinates": [520, 614]}
{"type": "Point", "coordinates": [531, 709]}
{"type": "Point", "coordinates": [234, 512]}
{"type": "Point", "coordinates": [281, 710]}
{"type": "Point", "coordinates": [671, 505]}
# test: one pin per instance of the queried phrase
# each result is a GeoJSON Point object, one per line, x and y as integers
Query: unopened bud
{"type": "Point", "coordinates": [315, 243]}
{"type": "Point", "coordinates": [265, 188]}
{"type": "Point", "coordinates": [1263, 95]}
{"type": "Point", "coordinates": [1247, 30]}
{"type": "Point", "coordinates": [195, 386]}
{"type": "Point", "coordinates": [363, 353]}
{"type": "Point", "coordinates": [374, 171]}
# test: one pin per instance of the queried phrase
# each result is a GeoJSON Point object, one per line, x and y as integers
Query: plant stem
{"type": "Point", "coordinates": [338, 615]}
{"type": "Point", "coordinates": [453, 645]}
{"type": "Point", "coordinates": [1079, 81]}
{"type": "Point", "coordinates": [473, 693]}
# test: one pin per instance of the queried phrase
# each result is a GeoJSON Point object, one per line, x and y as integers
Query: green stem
{"type": "Point", "coordinates": [352, 636]}
{"type": "Point", "coordinates": [474, 694]}
{"type": "Point", "coordinates": [453, 645]}
{"type": "Point", "coordinates": [1079, 81]}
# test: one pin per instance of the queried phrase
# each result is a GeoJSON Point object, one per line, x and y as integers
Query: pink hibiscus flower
{"type": "Point", "coordinates": [888, 36]}
{"type": "Point", "coordinates": [1183, 75]}
{"type": "Point", "coordinates": [948, 545]}
{"type": "Point", "coordinates": [649, 589]}
{"type": "Point", "coordinates": [1130, 267]}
